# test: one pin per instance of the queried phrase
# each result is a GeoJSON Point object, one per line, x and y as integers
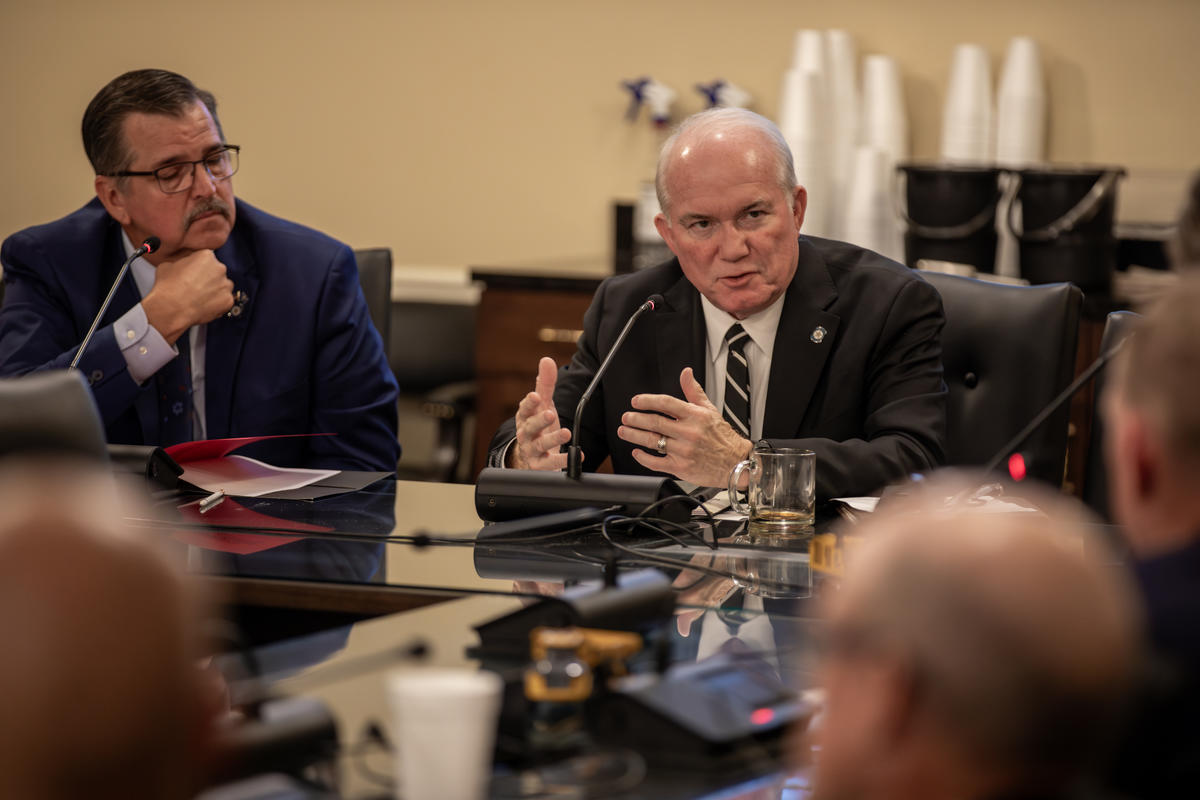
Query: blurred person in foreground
{"type": "Point", "coordinates": [972, 656]}
{"type": "Point", "coordinates": [1152, 441]}
{"type": "Point", "coordinates": [99, 687]}
{"type": "Point", "coordinates": [1184, 247]}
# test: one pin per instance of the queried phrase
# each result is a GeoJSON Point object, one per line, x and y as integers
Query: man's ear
{"type": "Point", "coordinates": [665, 231]}
{"type": "Point", "coordinates": [1146, 458]}
{"type": "Point", "coordinates": [1131, 460]}
{"type": "Point", "coordinates": [899, 698]}
{"type": "Point", "coordinates": [799, 205]}
{"type": "Point", "coordinates": [112, 198]}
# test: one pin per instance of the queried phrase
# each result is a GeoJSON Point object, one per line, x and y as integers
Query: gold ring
{"type": "Point", "coordinates": [662, 445]}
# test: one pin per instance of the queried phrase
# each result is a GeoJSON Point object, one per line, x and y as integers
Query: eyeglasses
{"type": "Point", "coordinates": [178, 177]}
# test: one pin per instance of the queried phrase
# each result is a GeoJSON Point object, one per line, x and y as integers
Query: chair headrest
{"type": "Point", "coordinates": [50, 412]}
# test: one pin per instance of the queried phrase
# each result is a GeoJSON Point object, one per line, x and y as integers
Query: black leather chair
{"type": "Point", "coordinates": [1117, 326]}
{"type": "Point", "coordinates": [375, 277]}
{"type": "Point", "coordinates": [1008, 351]}
{"type": "Point", "coordinates": [433, 359]}
{"type": "Point", "coordinates": [50, 412]}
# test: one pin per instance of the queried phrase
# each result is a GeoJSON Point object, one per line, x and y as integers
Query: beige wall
{"type": "Point", "coordinates": [462, 132]}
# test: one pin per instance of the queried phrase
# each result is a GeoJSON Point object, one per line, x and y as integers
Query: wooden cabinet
{"type": "Point", "coordinates": [521, 318]}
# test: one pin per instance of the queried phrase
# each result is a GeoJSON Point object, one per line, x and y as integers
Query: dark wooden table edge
{"type": "Point", "coordinates": [281, 593]}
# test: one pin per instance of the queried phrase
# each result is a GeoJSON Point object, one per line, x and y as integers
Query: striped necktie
{"type": "Point", "coordinates": [737, 380]}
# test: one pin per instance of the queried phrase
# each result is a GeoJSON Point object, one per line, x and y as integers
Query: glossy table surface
{"type": "Point", "coordinates": [400, 540]}
{"type": "Point", "coordinates": [416, 547]}
{"type": "Point", "coordinates": [346, 669]}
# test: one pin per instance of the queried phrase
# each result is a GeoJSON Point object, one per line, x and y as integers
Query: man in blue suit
{"type": "Point", "coordinates": [239, 324]}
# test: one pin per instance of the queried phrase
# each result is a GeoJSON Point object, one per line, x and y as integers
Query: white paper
{"type": "Point", "coordinates": [864, 504]}
{"type": "Point", "coordinates": [715, 505]}
{"type": "Point", "coordinates": [239, 476]}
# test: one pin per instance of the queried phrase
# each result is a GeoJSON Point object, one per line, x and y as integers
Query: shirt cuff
{"type": "Point", "coordinates": [499, 457]}
{"type": "Point", "coordinates": [144, 348]}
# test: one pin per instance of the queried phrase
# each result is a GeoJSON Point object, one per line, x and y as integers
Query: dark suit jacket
{"type": "Point", "coordinates": [868, 397]}
{"type": "Point", "coordinates": [303, 356]}
{"type": "Point", "coordinates": [1159, 756]}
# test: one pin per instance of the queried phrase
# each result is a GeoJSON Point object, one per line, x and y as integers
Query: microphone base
{"type": "Point", "coordinates": [504, 494]}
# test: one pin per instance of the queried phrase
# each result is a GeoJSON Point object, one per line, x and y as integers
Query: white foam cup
{"type": "Point", "coordinates": [444, 730]}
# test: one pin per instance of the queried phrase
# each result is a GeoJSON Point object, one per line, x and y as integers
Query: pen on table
{"type": "Point", "coordinates": [212, 501]}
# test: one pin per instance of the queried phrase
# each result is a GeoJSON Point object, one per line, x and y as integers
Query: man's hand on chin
{"type": "Point", "coordinates": [191, 289]}
{"type": "Point", "coordinates": [697, 444]}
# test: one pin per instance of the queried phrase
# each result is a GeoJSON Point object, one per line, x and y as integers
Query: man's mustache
{"type": "Point", "coordinates": [212, 204]}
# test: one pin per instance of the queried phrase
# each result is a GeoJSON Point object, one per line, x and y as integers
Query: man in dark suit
{"type": "Point", "coordinates": [837, 349]}
{"type": "Point", "coordinates": [239, 324]}
{"type": "Point", "coordinates": [1152, 442]}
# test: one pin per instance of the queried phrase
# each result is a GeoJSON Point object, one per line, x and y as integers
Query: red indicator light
{"type": "Point", "coordinates": [761, 716]}
{"type": "Point", "coordinates": [1016, 466]}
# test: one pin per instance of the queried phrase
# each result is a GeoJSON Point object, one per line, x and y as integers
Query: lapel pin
{"type": "Point", "coordinates": [239, 303]}
{"type": "Point", "coordinates": [818, 335]}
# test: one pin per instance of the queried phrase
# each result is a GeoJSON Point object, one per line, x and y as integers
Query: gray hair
{"type": "Point", "coordinates": [147, 91]}
{"type": "Point", "coordinates": [725, 119]}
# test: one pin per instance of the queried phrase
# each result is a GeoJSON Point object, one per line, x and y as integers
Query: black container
{"type": "Point", "coordinates": [951, 214]}
{"type": "Point", "coordinates": [1066, 225]}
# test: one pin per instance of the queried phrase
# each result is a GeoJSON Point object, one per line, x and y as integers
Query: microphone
{"type": "Point", "coordinates": [151, 244]}
{"type": "Point", "coordinates": [574, 454]}
{"type": "Point", "coordinates": [504, 494]}
{"type": "Point", "coordinates": [1016, 466]}
{"type": "Point", "coordinates": [1066, 394]}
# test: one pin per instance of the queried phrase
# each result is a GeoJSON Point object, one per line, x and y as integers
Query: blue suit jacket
{"type": "Point", "coordinates": [303, 357]}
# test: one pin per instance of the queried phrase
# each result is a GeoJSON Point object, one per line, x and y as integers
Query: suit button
{"type": "Point", "coordinates": [96, 376]}
{"type": "Point", "coordinates": [970, 380]}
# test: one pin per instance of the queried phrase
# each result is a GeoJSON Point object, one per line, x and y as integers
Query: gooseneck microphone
{"type": "Point", "coordinates": [505, 494]}
{"type": "Point", "coordinates": [574, 454]}
{"type": "Point", "coordinates": [1066, 394]}
{"type": "Point", "coordinates": [147, 247]}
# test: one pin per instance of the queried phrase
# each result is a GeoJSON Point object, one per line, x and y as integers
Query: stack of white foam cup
{"type": "Point", "coordinates": [869, 219]}
{"type": "Point", "coordinates": [967, 118]}
{"type": "Point", "coordinates": [843, 117]}
{"type": "Point", "coordinates": [1020, 132]}
{"type": "Point", "coordinates": [804, 121]}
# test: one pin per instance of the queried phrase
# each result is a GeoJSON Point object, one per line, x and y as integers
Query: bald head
{"type": "Point", "coordinates": [1010, 649]}
{"type": "Point", "coordinates": [754, 133]}
{"type": "Point", "coordinates": [1152, 424]}
{"type": "Point", "coordinates": [98, 697]}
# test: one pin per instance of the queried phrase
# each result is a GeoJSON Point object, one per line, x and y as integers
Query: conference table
{"type": "Point", "coordinates": [347, 668]}
{"type": "Point", "coordinates": [400, 545]}
{"type": "Point", "coordinates": [403, 562]}
{"type": "Point", "coordinates": [404, 573]}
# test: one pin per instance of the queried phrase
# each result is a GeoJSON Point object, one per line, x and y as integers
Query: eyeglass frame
{"type": "Point", "coordinates": [225, 148]}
